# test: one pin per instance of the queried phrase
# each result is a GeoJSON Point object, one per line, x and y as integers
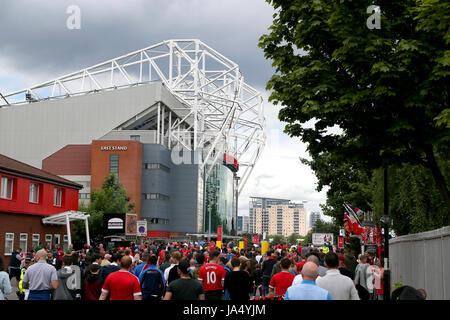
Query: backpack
{"type": "Point", "coordinates": [152, 284]}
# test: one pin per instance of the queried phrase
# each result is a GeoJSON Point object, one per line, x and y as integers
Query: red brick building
{"type": "Point", "coordinates": [28, 194]}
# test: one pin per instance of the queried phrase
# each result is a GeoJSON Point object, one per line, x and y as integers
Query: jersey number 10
{"type": "Point", "coordinates": [211, 277]}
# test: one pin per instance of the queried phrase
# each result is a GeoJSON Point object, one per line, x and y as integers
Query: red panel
{"type": "Point", "coordinates": [21, 192]}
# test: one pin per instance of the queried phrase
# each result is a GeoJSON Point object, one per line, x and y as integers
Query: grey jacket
{"type": "Point", "coordinates": [62, 292]}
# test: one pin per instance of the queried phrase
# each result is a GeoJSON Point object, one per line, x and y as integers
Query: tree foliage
{"type": "Point", "coordinates": [276, 238]}
{"type": "Point", "coordinates": [111, 198]}
{"type": "Point", "coordinates": [385, 89]}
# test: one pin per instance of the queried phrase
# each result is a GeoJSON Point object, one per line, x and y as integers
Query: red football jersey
{"type": "Point", "coordinates": [281, 282]}
{"type": "Point", "coordinates": [212, 276]}
{"type": "Point", "coordinates": [122, 285]}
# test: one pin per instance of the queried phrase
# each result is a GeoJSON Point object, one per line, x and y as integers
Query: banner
{"type": "Point", "coordinates": [369, 233]}
{"type": "Point", "coordinates": [255, 239]}
{"type": "Point", "coordinates": [219, 234]}
{"type": "Point", "coordinates": [264, 247]}
{"type": "Point", "coordinates": [131, 224]}
{"type": "Point", "coordinates": [141, 226]}
{"type": "Point", "coordinates": [320, 239]}
{"type": "Point", "coordinates": [341, 242]}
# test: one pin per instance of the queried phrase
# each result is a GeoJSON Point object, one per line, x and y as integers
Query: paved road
{"type": "Point", "coordinates": [13, 295]}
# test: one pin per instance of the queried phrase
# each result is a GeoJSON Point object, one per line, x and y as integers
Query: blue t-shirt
{"type": "Point", "coordinates": [307, 290]}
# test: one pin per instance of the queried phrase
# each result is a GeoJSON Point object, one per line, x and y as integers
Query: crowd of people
{"type": "Point", "coordinates": [194, 271]}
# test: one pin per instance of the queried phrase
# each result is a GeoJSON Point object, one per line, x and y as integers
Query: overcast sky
{"type": "Point", "coordinates": [37, 46]}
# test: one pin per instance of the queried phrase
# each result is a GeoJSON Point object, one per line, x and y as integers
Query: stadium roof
{"type": "Point", "coordinates": [218, 112]}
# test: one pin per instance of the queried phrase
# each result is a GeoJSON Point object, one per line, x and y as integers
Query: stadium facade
{"type": "Point", "coordinates": [175, 121]}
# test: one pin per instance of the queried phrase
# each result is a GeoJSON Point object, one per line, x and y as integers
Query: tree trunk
{"type": "Point", "coordinates": [438, 177]}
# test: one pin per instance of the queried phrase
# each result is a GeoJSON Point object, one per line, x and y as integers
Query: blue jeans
{"type": "Point", "coordinates": [39, 295]}
{"type": "Point", "coordinates": [265, 284]}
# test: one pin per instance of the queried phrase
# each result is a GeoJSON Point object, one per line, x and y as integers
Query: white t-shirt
{"type": "Point", "coordinates": [297, 280]}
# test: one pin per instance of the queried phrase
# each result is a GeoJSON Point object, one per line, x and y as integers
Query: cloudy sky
{"type": "Point", "coordinates": [37, 46]}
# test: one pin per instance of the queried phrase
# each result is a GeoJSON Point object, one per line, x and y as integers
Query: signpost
{"type": "Point", "coordinates": [141, 228]}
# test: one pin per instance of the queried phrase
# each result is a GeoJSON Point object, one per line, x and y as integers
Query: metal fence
{"type": "Point", "coordinates": [422, 260]}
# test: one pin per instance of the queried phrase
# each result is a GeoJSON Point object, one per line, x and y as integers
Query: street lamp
{"type": "Point", "coordinates": [385, 219]}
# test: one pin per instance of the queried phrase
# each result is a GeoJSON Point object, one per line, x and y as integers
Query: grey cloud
{"type": "Point", "coordinates": [35, 38]}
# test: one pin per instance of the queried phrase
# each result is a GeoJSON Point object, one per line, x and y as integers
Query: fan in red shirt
{"type": "Point", "coordinates": [162, 256]}
{"type": "Point", "coordinates": [212, 276]}
{"type": "Point", "coordinates": [212, 246]}
{"type": "Point", "coordinates": [281, 281]}
{"type": "Point", "coordinates": [122, 285]}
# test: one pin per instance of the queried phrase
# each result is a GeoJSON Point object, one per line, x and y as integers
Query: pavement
{"type": "Point", "coordinates": [13, 295]}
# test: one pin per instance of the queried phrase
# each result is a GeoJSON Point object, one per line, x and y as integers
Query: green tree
{"type": "Point", "coordinates": [326, 227]}
{"type": "Point", "coordinates": [385, 89]}
{"type": "Point", "coordinates": [347, 183]}
{"type": "Point", "coordinates": [308, 239]}
{"type": "Point", "coordinates": [112, 198]}
{"type": "Point", "coordinates": [276, 238]}
{"type": "Point", "coordinates": [293, 239]}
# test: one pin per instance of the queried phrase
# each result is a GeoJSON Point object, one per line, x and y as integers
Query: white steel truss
{"type": "Point", "coordinates": [223, 114]}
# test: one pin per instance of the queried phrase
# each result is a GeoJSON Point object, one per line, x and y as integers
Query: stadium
{"type": "Point", "coordinates": [174, 121]}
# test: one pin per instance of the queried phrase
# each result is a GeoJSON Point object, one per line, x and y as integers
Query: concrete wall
{"type": "Point", "coordinates": [422, 260]}
{"type": "Point", "coordinates": [180, 184]}
{"type": "Point", "coordinates": [31, 132]}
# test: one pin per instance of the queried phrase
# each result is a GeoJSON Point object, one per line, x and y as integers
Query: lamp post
{"type": "Point", "coordinates": [387, 272]}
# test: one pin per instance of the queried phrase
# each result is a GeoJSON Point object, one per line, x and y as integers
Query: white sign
{"type": "Point", "coordinates": [115, 223]}
{"type": "Point", "coordinates": [319, 239]}
{"type": "Point", "coordinates": [141, 228]}
{"type": "Point", "coordinates": [342, 232]}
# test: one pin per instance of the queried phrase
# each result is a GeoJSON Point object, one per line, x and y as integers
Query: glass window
{"type": "Point", "coordinates": [156, 166]}
{"type": "Point", "coordinates": [34, 192]}
{"type": "Point", "coordinates": [9, 243]}
{"type": "Point", "coordinates": [114, 164]}
{"type": "Point", "coordinates": [155, 196]}
{"type": "Point", "coordinates": [23, 244]}
{"type": "Point", "coordinates": [66, 242]}
{"type": "Point", "coordinates": [57, 197]}
{"type": "Point", "coordinates": [135, 137]}
{"type": "Point", "coordinates": [35, 240]}
{"type": "Point", "coordinates": [6, 188]}
{"type": "Point", "coordinates": [48, 239]}
{"type": "Point", "coordinates": [57, 239]}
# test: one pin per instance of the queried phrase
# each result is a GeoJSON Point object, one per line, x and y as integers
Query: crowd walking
{"type": "Point", "coordinates": [194, 271]}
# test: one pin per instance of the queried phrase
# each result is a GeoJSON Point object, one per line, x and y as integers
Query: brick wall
{"type": "Point", "coordinates": [29, 224]}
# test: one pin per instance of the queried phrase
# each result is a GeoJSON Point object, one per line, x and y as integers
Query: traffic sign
{"type": "Point", "coordinates": [142, 228]}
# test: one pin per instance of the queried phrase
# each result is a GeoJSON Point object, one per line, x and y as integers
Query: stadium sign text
{"type": "Point", "coordinates": [113, 148]}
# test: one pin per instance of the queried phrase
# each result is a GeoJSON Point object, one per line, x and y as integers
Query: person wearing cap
{"type": "Point", "coordinates": [22, 293]}
{"type": "Point", "coordinates": [184, 288]}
